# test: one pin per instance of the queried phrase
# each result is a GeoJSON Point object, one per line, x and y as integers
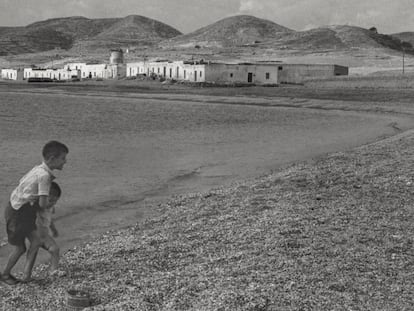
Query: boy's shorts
{"type": "Point", "coordinates": [20, 223]}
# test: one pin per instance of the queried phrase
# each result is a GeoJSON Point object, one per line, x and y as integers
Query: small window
{"type": "Point", "coordinates": [267, 76]}
{"type": "Point", "coordinates": [201, 74]}
{"type": "Point", "coordinates": [231, 75]}
{"type": "Point", "coordinates": [280, 68]}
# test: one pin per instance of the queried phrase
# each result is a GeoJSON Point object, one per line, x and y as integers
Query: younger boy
{"type": "Point", "coordinates": [31, 194]}
{"type": "Point", "coordinates": [43, 236]}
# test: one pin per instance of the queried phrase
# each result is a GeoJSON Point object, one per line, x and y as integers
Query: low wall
{"type": "Point", "coordinates": [396, 81]}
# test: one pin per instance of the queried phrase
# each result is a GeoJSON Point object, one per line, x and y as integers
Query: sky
{"type": "Point", "coordinates": [388, 16]}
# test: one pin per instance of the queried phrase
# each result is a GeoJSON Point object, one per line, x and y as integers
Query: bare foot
{"type": "Point", "coordinates": [58, 273]}
{"type": "Point", "coordinates": [26, 280]}
{"type": "Point", "coordinates": [9, 279]}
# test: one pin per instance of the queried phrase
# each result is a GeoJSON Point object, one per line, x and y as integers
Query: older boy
{"type": "Point", "coordinates": [43, 237]}
{"type": "Point", "coordinates": [31, 194]}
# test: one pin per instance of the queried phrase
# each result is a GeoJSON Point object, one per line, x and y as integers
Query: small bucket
{"type": "Point", "coordinates": [77, 300]}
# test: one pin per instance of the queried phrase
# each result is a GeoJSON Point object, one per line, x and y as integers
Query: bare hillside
{"type": "Point", "coordinates": [405, 36]}
{"type": "Point", "coordinates": [66, 33]}
{"type": "Point", "coordinates": [338, 37]}
{"type": "Point", "coordinates": [235, 30]}
{"type": "Point", "coordinates": [133, 30]}
{"type": "Point", "coordinates": [249, 31]}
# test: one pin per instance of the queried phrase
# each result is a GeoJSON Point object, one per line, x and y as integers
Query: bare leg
{"type": "Point", "coordinates": [31, 255]}
{"type": "Point", "coordinates": [54, 259]}
{"type": "Point", "coordinates": [18, 251]}
{"type": "Point", "coordinates": [51, 246]}
{"type": "Point", "coordinates": [30, 260]}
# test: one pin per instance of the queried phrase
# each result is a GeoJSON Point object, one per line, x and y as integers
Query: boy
{"type": "Point", "coordinates": [31, 194]}
{"type": "Point", "coordinates": [42, 237]}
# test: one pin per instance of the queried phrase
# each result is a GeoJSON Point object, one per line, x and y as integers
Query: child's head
{"type": "Point", "coordinates": [54, 154]}
{"type": "Point", "coordinates": [54, 193]}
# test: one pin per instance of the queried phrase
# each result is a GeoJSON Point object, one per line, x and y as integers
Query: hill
{"type": "Point", "coordinates": [249, 31]}
{"type": "Point", "coordinates": [231, 31]}
{"type": "Point", "coordinates": [337, 37]}
{"type": "Point", "coordinates": [240, 37]}
{"type": "Point", "coordinates": [132, 30]}
{"type": "Point", "coordinates": [405, 36]}
{"type": "Point", "coordinates": [67, 33]}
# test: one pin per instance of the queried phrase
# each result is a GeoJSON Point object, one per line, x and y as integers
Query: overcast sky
{"type": "Point", "coordinates": [388, 16]}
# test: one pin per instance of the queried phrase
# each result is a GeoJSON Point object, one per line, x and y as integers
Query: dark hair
{"type": "Point", "coordinates": [55, 189]}
{"type": "Point", "coordinates": [54, 148]}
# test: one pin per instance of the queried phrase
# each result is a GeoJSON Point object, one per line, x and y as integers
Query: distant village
{"type": "Point", "coordinates": [261, 73]}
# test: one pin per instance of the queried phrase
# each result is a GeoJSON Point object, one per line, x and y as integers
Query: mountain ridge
{"type": "Point", "coordinates": [70, 32]}
{"type": "Point", "coordinates": [81, 35]}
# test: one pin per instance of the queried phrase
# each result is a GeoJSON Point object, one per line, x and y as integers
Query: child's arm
{"type": "Point", "coordinates": [43, 201]}
{"type": "Point", "coordinates": [55, 233]}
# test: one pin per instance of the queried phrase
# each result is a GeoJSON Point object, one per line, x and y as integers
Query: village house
{"type": "Point", "coordinates": [254, 73]}
{"type": "Point", "coordinates": [12, 74]}
{"type": "Point", "coordinates": [114, 70]}
{"type": "Point", "coordinates": [54, 74]}
{"type": "Point", "coordinates": [298, 73]}
{"type": "Point", "coordinates": [260, 72]}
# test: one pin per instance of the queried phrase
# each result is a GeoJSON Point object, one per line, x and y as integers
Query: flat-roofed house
{"type": "Point", "coordinates": [12, 74]}
{"type": "Point", "coordinates": [261, 73]}
{"type": "Point", "coordinates": [299, 73]}
{"type": "Point", "coordinates": [200, 71]}
{"type": "Point", "coordinates": [74, 66]}
{"type": "Point", "coordinates": [254, 73]}
{"type": "Point", "coordinates": [60, 74]}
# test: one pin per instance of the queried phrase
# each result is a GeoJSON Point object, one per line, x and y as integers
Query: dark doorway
{"type": "Point", "coordinates": [250, 77]}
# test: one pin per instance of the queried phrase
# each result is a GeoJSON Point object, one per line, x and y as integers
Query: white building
{"type": "Point", "coordinates": [98, 71]}
{"type": "Point", "coordinates": [194, 71]}
{"type": "Point", "coordinates": [243, 73]}
{"type": "Point", "coordinates": [76, 66]}
{"type": "Point", "coordinates": [12, 74]}
{"type": "Point", "coordinates": [254, 73]}
{"type": "Point", "coordinates": [178, 70]}
{"type": "Point", "coordinates": [54, 74]}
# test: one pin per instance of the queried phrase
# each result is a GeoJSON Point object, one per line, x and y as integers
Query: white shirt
{"type": "Point", "coordinates": [32, 185]}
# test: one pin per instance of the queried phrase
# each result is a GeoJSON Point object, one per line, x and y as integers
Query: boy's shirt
{"type": "Point", "coordinates": [32, 185]}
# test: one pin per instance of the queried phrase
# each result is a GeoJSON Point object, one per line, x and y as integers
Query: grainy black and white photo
{"type": "Point", "coordinates": [207, 155]}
